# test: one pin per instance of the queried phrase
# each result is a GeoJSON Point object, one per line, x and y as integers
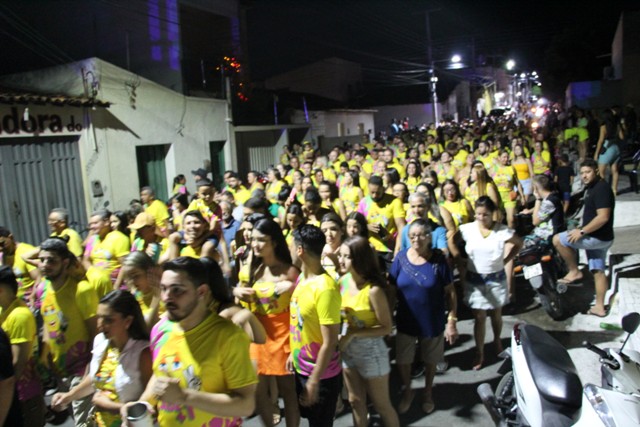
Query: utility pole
{"type": "Point", "coordinates": [433, 80]}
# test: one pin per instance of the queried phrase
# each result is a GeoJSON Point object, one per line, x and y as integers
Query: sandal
{"type": "Point", "coordinates": [428, 407]}
{"type": "Point", "coordinates": [405, 401]}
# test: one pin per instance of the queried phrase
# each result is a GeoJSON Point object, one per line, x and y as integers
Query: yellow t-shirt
{"type": "Point", "coordinates": [105, 254]}
{"type": "Point", "coordinates": [64, 312]}
{"type": "Point", "coordinates": [267, 302]}
{"type": "Point", "coordinates": [503, 177]}
{"type": "Point", "coordinates": [350, 196]}
{"type": "Point", "coordinates": [460, 159]}
{"type": "Point", "coordinates": [158, 210]}
{"type": "Point", "coordinates": [213, 357]}
{"type": "Point", "coordinates": [240, 195]}
{"type": "Point", "coordinates": [537, 162]}
{"type": "Point", "coordinates": [384, 213]}
{"type": "Point", "coordinates": [191, 252]}
{"type": "Point", "coordinates": [356, 306]}
{"type": "Point", "coordinates": [101, 283]}
{"type": "Point", "coordinates": [105, 381]}
{"type": "Point", "coordinates": [20, 325]}
{"type": "Point", "coordinates": [458, 211]}
{"type": "Point", "coordinates": [145, 302]}
{"type": "Point", "coordinates": [273, 189]}
{"type": "Point", "coordinates": [412, 182]}
{"type": "Point", "coordinates": [315, 302]}
{"type": "Point", "coordinates": [21, 269]}
{"type": "Point", "coordinates": [75, 242]}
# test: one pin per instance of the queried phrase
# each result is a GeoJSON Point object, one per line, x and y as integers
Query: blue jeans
{"type": "Point", "coordinates": [596, 249]}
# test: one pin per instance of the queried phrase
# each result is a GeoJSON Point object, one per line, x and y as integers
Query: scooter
{"type": "Point", "coordinates": [542, 267]}
{"type": "Point", "coordinates": [543, 388]}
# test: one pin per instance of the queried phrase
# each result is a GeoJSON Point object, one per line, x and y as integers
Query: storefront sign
{"type": "Point", "coordinates": [19, 121]}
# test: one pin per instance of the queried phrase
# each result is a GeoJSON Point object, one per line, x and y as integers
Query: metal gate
{"type": "Point", "coordinates": [37, 175]}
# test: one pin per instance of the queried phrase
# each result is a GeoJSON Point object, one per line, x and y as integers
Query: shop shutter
{"type": "Point", "coordinates": [37, 175]}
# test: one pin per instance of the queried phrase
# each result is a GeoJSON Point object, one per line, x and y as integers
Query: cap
{"type": "Point", "coordinates": [202, 173]}
{"type": "Point", "coordinates": [143, 219]}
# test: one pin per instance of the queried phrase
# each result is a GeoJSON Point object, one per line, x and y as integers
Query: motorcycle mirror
{"type": "Point", "coordinates": [630, 322]}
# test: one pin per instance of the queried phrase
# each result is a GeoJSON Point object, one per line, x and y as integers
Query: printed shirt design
{"type": "Point", "coordinates": [315, 301]}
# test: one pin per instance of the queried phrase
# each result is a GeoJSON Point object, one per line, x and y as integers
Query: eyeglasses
{"type": "Point", "coordinates": [419, 236]}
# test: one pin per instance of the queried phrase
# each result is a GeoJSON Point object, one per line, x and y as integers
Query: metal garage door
{"type": "Point", "coordinates": [37, 175]}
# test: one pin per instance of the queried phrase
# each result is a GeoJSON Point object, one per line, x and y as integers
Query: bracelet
{"type": "Point", "coordinates": [450, 318]}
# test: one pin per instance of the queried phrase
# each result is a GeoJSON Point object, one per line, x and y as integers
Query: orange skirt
{"type": "Point", "coordinates": [272, 355]}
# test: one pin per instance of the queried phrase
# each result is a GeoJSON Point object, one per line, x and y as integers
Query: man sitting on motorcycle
{"type": "Point", "coordinates": [547, 213]}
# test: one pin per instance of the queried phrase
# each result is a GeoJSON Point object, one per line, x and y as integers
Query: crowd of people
{"type": "Point", "coordinates": [210, 307]}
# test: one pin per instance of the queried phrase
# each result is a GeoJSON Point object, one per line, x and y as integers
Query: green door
{"type": "Point", "coordinates": [217, 162]}
{"type": "Point", "coordinates": [151, 168]}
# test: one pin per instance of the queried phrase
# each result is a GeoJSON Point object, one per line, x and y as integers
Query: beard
{"type": "Point", "coordinates": [176, 314]}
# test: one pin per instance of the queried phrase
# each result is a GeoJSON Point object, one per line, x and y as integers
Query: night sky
{"type": "Point", "coordinates": [389, 37]}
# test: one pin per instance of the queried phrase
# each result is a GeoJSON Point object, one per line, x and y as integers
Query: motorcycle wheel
{"type": "Point", "coordinates": [554, 304]}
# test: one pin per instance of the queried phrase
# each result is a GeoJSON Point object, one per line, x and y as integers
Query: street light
{"type": "Point", "coordinates": [455, 62]}
{"type": "Point", "coordinates": [511, 64]}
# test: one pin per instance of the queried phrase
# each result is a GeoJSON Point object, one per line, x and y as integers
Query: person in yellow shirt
{"type": "Point", "coordinates": [20, 325]}
{"type": "Point", "coordinates": [68, 310]}
{"type": "Point", "coordinates": [314, 327]}
{"type": "Point", "coordinates": [392, 162]}
{"type": "Point", "coordinates": [105, 247]}
{"type": "Point", "coordinates": [12, 253]}
{"type": "Point", "coordinates": [58, 221]}
{"type": "Point", "coordinates": [157, 209]}
{"type": "Point", "coordinates": [385, 216]}
{"type": "Point", "coordinates": [235, 187]}
{"type": "Point", "coordinates": [192, 385]}
{"type": "Point", "coordinates": [540, 159]}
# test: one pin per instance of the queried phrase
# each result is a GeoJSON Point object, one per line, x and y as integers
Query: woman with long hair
{"type": "Point", "coordinates": [356, 225]}
{"type": "Point", "coordinates": [274, 185]}
{"type": "Point", "coordinates": [480, 184]}
{"type": "Point", "coordinates": [465, 172]}
{"type": "Point", "coordinates": [607, 150]}
{"type": "Point", "coordinates": [390, 178]}
{"type": "Point", "coordinates": [330, 200]}
{"type": "Point", "coordinates": [523, 168]}
{"type": "Point", "coordinates": [365, 308]}
{"type": "Point", "coordinates": [121, 361]}
{"type": "Point", "coordinates": [180, 185]}
{"type": "Point", "coordinates": [350, 191]}
{"type": "Point", "coordinates": [414, 175]}
{"type": "Point", "coordinates": [271, 280]}
{"type": "Point", "coordinates": [452, 200]}
{"type": "Point", "coordinates": [142, 277]}
{"type": "Point", "coordinates": [506, 179]}
{"type": "Point", "coordinates": [489, 245]}
{"type": "Point", "coordinates": [333, 229]}
{"type": "Point", "coordinates": [107, 245]}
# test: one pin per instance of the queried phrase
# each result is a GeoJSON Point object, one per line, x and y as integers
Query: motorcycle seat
{"type": "Point", "coordinates": [551, 366]}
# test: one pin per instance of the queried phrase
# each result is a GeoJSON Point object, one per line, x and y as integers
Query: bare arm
{"type": "Point", "coordinates": [601, 137]}
{"type": "Point", "coordinates": [514, 248]}
{"type": "Point", "coordinates": [20, 353]}
{"type": "Point", "coordinates": [380, 307]}
{"type": "Point", "coordinates": [451, 331]}
{"type": "Point", "coordinates": [7, 388]}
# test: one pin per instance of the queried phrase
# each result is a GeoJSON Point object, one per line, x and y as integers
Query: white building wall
{"type": "Point", "coordinates": [141, 113]}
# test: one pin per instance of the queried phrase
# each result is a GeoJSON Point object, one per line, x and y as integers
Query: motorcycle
{"type": "Point", "coordinates": [542, 388]}
{"type": "Point", "coordinates": [542, 267]}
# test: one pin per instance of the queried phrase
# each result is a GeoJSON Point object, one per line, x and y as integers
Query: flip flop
{"type": "Point", "coordinates": [592, 313]}
{"type": "Point", "coordinates": [571, 282]}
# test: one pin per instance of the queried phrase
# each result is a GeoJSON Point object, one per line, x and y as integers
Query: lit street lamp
{"type": "Point", "coordinates": [511, 64]}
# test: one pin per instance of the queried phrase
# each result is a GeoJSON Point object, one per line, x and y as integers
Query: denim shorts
{"type": "Point", "coordinates": [596, 249]}
{"type": "Point", "coordinates": [610, 155]}
{"type": "Point", "coordinates": [368, 356]}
